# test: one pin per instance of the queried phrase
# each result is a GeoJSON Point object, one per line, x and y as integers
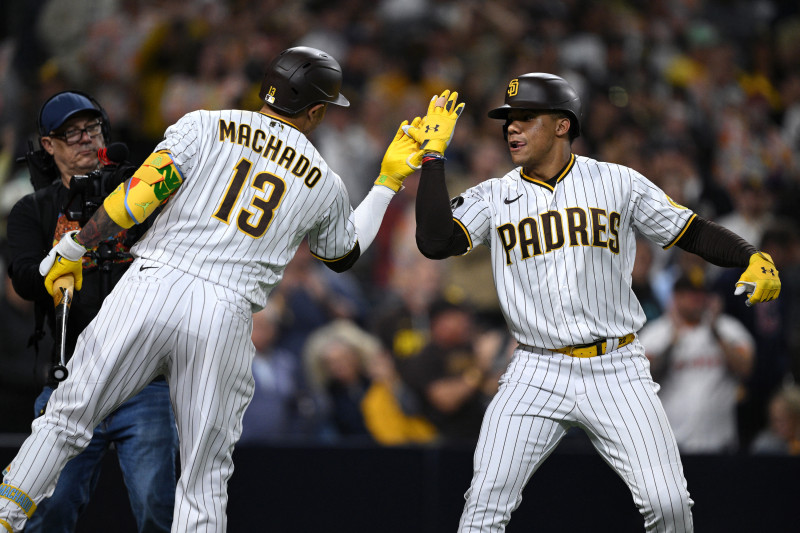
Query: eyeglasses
{"type": "Point", "coordinates": [74, 135]}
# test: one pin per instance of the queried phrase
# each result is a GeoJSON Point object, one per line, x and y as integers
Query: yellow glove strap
{"type": "Point", "coordinates": [394, 183]}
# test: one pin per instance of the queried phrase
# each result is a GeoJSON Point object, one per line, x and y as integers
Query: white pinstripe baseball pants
{"type": "Point", "coordinates": [156, 321]}
{"type": "Point", "coordinates": [613, 398]}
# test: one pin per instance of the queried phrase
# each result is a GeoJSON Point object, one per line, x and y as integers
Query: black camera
{"type": "Point", "coordinates": [87, 191]}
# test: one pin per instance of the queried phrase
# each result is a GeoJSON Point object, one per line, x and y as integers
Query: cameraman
{"type": "Point", "coordinates": [73, 132]}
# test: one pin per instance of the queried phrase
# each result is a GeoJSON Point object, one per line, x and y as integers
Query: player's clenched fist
{"type": "Point", "coordinates": [63, 259]}
{"type": "Point", "coordinates": [436, 130]}
{"type": "Point", "coordinates": [760, 280]}
{"type": "Point", "coordinates": [396, 165]}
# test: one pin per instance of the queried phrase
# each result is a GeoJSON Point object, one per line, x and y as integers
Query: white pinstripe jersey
{"type": "Point", "coordinates": [253, 187]}
{"type": "Point", "coordinates": [562, 256]}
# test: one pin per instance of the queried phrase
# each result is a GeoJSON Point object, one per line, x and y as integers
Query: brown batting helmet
{"type": "Point", "coordinates": [542, 91]}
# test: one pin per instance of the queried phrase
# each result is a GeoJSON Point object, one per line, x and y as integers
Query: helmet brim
{"type": "Point", "coordinates": [341, 101]}
{"type": "Point", "coordinates": [500, 112]}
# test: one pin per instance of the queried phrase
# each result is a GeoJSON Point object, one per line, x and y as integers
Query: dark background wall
{"type": "Point", "coordinates": [420, 490]}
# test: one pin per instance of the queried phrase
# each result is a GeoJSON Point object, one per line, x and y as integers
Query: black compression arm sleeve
{"type": "Point", "coordinates": [438, 235]}
{"type": "Point", "coordinates": [716, 244]}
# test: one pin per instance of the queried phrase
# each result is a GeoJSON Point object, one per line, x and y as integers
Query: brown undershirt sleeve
{"type": "Point", "coordinates": [715, 244]}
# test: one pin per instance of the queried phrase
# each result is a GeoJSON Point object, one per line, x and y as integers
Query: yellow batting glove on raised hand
{"type": "Point", "coordinates": [760, 281]}
{"type": "Point", "coordinates": [396, 165]}
{"type": "Point", "coordinates": [436, 130]}
{"type": "Point", "coordinates": [65, 258]}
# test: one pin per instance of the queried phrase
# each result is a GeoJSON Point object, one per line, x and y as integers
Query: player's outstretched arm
{"type": "Point", "coordinates": [438, 236]}
{"type": "Point", "coordinates": [369, 213]}
{"type": "Point", "coordinates": [722, 247]}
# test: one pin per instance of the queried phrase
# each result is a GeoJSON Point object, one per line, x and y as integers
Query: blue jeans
{"type": "Point", "coordinates": [144, 434]}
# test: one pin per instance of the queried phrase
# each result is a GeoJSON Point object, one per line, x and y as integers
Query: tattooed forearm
{"type": "Point", "coordinates": [99, 228]}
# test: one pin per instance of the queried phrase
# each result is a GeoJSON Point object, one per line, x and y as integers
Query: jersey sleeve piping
{"type": "Point", "coordinates": [464, 229]}
{"type": "Point", "coordinates": [678, 237]}
{"type": "Point", "coordinates": [356, 245]}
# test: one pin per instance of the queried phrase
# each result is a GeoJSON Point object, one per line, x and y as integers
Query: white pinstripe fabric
{"type": "Point", "coordinates": [561, 295]}
{"type": "Point", "coordinates": [191, 320]}
{"type": "Point", "coordinates": [613, 399]}
{"type": "Point", "coordinates": [197, 334]}
{"type": "Point", "coordinates": [188, 237]}
{"type": "Point", "coordinates": [574, 294]}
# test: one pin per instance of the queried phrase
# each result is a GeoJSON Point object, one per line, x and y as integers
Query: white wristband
{"type": "Point", "coordinates": [69, 248]}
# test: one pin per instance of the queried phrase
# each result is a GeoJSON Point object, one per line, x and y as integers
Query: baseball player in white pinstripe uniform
{"type": "Point", "coordinates": [244, 189]}
{"type": "Point", "coordinates": [561, 232]}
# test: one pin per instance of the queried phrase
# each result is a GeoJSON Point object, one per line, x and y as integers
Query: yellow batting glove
{"type": "Point", "coordinates": [396, 164]}
{"type": "Point", "coordinates": [436, 130]}
{"type": "Point", "coordinates": [760, 281]}
{"type": "Point", "coordinates": [65, 258]}
{"type": "Point", "coordinates": [64, 267]}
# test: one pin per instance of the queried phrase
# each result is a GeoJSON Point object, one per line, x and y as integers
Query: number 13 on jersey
{"type": "Point", "coordinates": [263, 207]}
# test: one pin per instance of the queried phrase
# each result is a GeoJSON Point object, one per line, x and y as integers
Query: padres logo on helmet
{"type": "Point", "coordinates": [513, 87]}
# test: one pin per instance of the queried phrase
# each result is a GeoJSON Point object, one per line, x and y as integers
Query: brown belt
{"type": "Point", "coordinates": [593, 348]}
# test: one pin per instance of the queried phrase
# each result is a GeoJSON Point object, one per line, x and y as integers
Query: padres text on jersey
{"type": "Point", "coordinates": [562, 254]}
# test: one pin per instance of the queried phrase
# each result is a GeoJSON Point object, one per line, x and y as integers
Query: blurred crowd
{"type": "Point", "coordinates": [702, 97]}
